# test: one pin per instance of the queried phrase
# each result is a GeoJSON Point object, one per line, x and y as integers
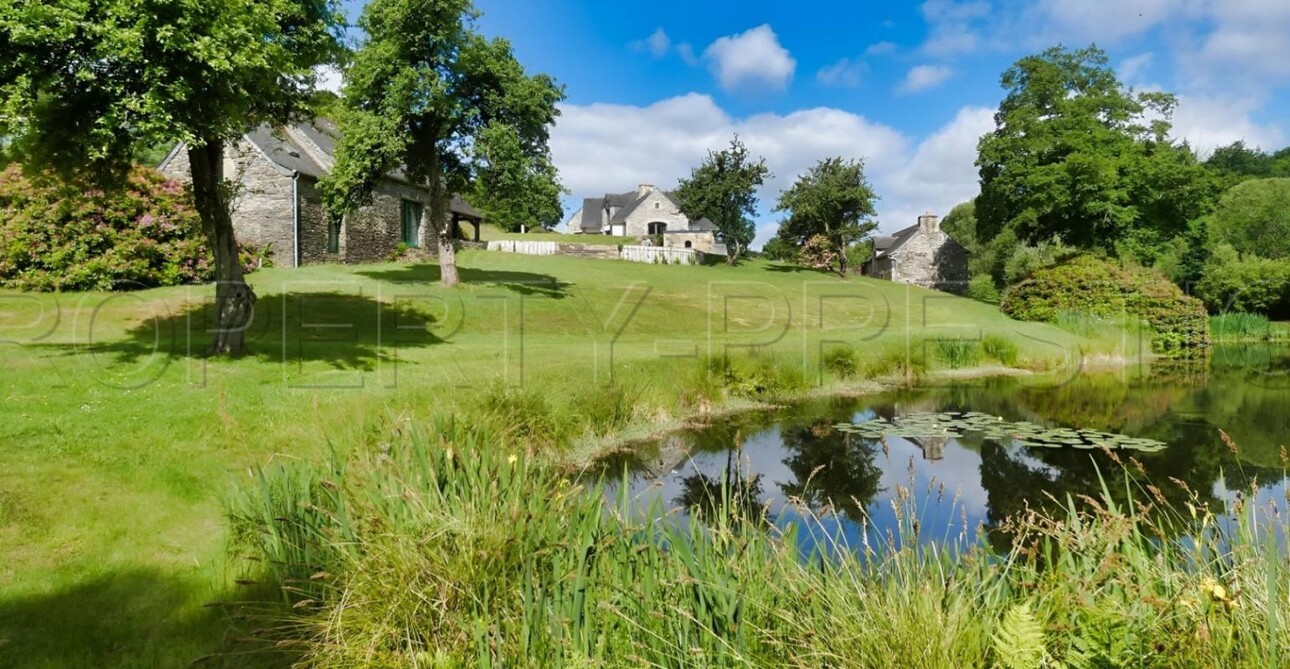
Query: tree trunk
{"type": "Point", "coordinates": [442, 226]}
{"type": "Point", "coordinates": [842, 262]}
{"type": "Point", "coordinates": [234, 299]}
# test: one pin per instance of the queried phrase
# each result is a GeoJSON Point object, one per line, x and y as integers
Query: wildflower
{"type": "Point", "coordinates": [1214, 589]}
{"type": "Point", "coordinates": [510, 460]}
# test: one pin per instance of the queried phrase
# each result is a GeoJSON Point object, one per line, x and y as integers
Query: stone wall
{"type": "Point", "coordinates": [262, 206]}
{"type": "Point", "coordinates": [602, 251]}
{"type": "Point", "coordinates": [931, 259]}
{"type": "Point", "coordinates": [699, 241]}
{"type": "Point", "coordinates": [313, 226]}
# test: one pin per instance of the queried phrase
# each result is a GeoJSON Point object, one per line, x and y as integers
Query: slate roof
{"type": "Point", "coordinates": [592, 210]}
{"type": "Point", "coordinates": [285, 150]}
{"type": "Point", "coordinates": [627, 203]}
{"type": "Point", "coordinates": [884, 246]}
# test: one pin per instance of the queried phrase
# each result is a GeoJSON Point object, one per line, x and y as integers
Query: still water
{"type": "Point", "coordinates": [962, 484]}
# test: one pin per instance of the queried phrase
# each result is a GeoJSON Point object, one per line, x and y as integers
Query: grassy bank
{"type": "Point", "coordinates": [442, 551]}
{"type": "Point", "coordinates": [120, 440]}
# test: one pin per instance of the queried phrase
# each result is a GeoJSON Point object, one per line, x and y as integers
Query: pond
{"type": "Point", "coordinates": [955, 485]}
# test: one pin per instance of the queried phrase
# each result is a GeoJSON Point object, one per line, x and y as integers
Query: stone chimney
{"type": "Point", "coordinates": [929, 223]}
{"type": "Point", "coordinates": [644, 189]}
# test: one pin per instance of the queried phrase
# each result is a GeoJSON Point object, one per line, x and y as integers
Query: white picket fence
{"type": "Point", "coordinates": [522, 246]}
{"type": "Point", "coordinates": [661, 255]}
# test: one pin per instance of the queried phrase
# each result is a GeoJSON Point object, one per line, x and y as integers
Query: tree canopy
{"type": "Point", "coordinates": [1077, 155]}
{"type": "Point", "coordinates": [834, 200]}
{"type": "Point", "coordinates": [84, 84]}
{"type": "Point", "coordinates": [429, 94]}
{"type": "Point", "coordinates": [516, 189]}
{"type": "Point", "coordinates": [1254, 218]}
{"type": "Point", "coordinates": [723, 188]}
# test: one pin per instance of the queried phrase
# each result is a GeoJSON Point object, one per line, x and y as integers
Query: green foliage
{"type": "Point", "coordinates": [1237, 162]}
{"type": "Point", "coordinates": [781, 249]}
{"type": "Point", "coordinates": [1077, 155]}
{"type": "Point", "coordinates": [1240, 326]}
{"type": "Point", "coordinates": [1254, 218]}
{"type": "Point", "coordinates": [857, 255]}
{"type": "Point", "coordinates": [833, 200]}
{"type": "Point", "coordinates": [428, 93]}
{"type": "Point", "coordinates": [516, 188]}
{"type": "Point", "coordinates": [981, 287]}
{"type": "Point", "coordinates": [1000, 349]}
{"type": "Point", "coordinates": [1025, 260]}
{"type": "Point", "coordinates": [1235, 282]}
{"type": "Point", "coordinates": [1019, 642]}
{"type": "Point", "coordinates": [440, 549]}
{"type": "Point", "coordinates": [723, 189]}
{"type": "Point", "coordinates": [841, 361]}
{"type": "Point", "coordinates": [1099, 288]}
{"type": "Point", "coordinates": [958, 353]}
{"type": "Point", "coordinates": [58, 236]}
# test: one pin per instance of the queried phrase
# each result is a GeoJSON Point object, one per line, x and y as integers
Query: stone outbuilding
{"type": "Point", "coordinates": [278, 205]}
{"type": "Point", "coordinates": [921, 255]}
{"type": "Point", "coordinates": [645, 212]}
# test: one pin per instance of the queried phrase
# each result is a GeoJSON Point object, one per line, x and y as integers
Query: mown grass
{"type": "Point", "coordinates": [120, 439]}
{"type": "Point", "coordinates": [443, 551]}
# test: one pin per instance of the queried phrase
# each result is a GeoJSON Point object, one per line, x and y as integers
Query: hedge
{"type": "Point", "coordinates": [55, 236]}
{"type": "Point", "coordinates": [1100, 288]}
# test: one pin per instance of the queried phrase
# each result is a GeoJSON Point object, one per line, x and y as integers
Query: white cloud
{"type": "Point", "coordinates": [924, 77]}
{"type": "Point", "coordinates": [1133, 68]}
{"type": "Point", "coordinates": [752, 59]}
{"type": "Point", "coordinates": [843, 74]}
{"type": "Point", "coordinates": [686, 52]}
{"type": "Point", "coordinates": [657, 44]}
{"type": "Point", "coordinates": [1209, 122]}
{"type": "Point", "coordinates": [668, 138]}
{"type": "Point", "coordinates": [881, 49]}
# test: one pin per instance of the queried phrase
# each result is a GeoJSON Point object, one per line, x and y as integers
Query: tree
{"type": "Point", "coordinates": [834, 200]}
{"type": "Point", "coordinates": [1076, 155]}
{"type": "Point", "coordinates": [723, 189]}
{"type": "Point", "coordinates": [1254, 217]}
{"type": "Point", "coordinates": [517, 189]}
{"type": "Point", "coordinates": [781, 249]}
{"type": "Point", "coordinates": [86, 83]}
{"type": "Point", "coordinates": [422, 92]}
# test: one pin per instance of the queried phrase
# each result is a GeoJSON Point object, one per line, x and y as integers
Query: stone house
{"type": "Point", "coordinates": [921, 255]}
{"type": "Point", "coordinates": [642, 213]}
{"type": "Point", "coordinates": [278, 203]}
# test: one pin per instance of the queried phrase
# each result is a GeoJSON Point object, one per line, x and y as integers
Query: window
{"type": "Point", "coordinates": [657, 228]}
{"type": "Point", "coordinates": [689, 244]}
{"type": "Point", "coordinates": [333, 235]}
{"type": "Point", "coordinates": [658, 205]}
{"type": "Point", "coordinates": [411, 223]}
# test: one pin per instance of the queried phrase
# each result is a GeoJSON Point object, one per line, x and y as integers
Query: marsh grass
{"type": "Point", "coordinates": [444, 550]}
{"type": "Point", "coordinates": [1240, 326]}
{"type": "Point", "coordinates": [1000, 350]}
{"type": "Point", "coordinates": [958, 353]}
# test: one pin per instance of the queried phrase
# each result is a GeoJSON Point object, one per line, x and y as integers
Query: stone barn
{"type": "Point", "coordinates": [278, 203]}
{"type": "Point", "coordinates": [921, 255]}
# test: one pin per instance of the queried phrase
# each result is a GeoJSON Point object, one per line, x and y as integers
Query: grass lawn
{"type": "Point", "coordinates": [488, 232]}
{"type": "Point", "coordinates": [118, 441]}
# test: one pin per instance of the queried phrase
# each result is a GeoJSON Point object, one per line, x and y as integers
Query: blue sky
{"type": "Point", "coordinates": [909, 86]}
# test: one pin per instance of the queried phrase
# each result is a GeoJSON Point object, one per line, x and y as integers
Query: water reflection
{"type": "Point", "coordinates": [772, 463]}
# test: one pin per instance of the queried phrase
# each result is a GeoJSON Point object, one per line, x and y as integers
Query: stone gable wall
{"type": "Point", "coordinates": [638, 221]}
{"type": "Point", "coordinates": [931, 260]}
{"type": "Point", "coordinates": [699, 241]}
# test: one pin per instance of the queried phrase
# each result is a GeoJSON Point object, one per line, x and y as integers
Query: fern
{"type": "Point", "coordinates": [1019, 642]}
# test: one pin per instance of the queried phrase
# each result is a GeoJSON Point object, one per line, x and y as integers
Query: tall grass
{"type": "Point", "coordinates": [1239, 326]}
{"type": "Point", "coordinates": [443, 550]}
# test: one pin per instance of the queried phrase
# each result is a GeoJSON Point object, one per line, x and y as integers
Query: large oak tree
{"type": "Point", "coordinates": [85, 83]}
{"type": "Point", "coordinates": [427, 93]}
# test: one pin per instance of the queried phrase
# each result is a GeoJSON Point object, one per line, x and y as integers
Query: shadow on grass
{"type": "Point", "coordinates": [349, 331]}
{"type": "Point", "coordinates": [788, 268]}
{"type": "Point", "coordinates": [131, 619]}
{"type": "Point", "coordinates": [524, 283]}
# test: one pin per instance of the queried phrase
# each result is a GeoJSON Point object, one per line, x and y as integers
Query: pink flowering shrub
{"type": "Point", "coordinates": [57, 237]}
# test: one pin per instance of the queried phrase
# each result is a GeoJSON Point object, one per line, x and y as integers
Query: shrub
{"type": "Point", "coordinates": [982, 289]}
{"type": "Point", "coordinates": [1098, 288]}
{"type": "Point", "coordinates": [818, 253]}
{"type": "Point", "coordinates": [59, 237]}
{"type": "Point", "coordinates": [1233, 282]}
{"type": "Point", "coordinates": [1000, 349]}
{"type": "Point", "coordinates": [841, 361]}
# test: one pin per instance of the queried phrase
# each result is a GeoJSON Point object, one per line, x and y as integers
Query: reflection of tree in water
{"type": "Point", "coordinates": [737, 492]}
{"type": "Point", "coordinates": [832, 469]}
{"type": "Point", "coordinates": [1054, 475]}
